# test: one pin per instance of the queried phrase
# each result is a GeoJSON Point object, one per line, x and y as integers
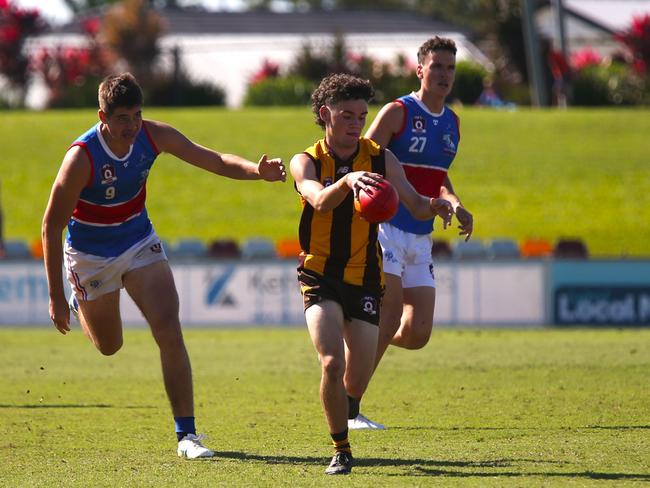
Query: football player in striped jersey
{"type": "Point", "coordinates": [340, 271]}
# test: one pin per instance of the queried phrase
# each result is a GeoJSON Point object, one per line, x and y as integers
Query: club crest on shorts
{"type": "Point", "coordinates": [156, 248]}
{"type": "Point", "coordinates": [369, 305]}
{"type": "Point", "coordinates": [389, 256]}
{"type": "Point", "coordinates": [108, 174]}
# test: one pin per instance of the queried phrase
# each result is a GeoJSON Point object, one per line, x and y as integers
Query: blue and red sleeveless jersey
{"type": "Point", "coordinates": [110, 215]}
{"type": "Point", "coordinates": [426, 146]}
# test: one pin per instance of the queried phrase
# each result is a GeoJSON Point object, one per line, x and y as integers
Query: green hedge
{"type": "Point", "coordinates": [296, 90]}
{"type": "Point", "coordinates": [83, 95]}
{"type": "Point", "coordinates": [469, 82]}
{"type": "Point", "coordinates": [612, 84]}
{"type": "Point", "coordinates": [163, 92]}
{"type": "Point", "coordinates": [166, 91]}
{"type": "Point", "coordinates": [290, 90]}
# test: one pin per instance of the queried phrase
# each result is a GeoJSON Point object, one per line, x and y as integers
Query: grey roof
{"type": "Point", "coordinates": [196, 20]}
{"type": "Point", "coordinates": [609, 15]}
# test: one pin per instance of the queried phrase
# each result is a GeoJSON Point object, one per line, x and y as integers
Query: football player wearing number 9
{"type": "Point", "coordinates": [423, 133]}
{"type": "Point", "coordinates": [99, 193]}
{"type": "Point", "coordinates": [340, 272]}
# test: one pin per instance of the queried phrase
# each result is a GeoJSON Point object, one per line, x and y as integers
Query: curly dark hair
{"type": "Point", "coordinates": [119, 91]}
{"type": "Point", "coordinates": [337, 88]}
{"type": "Point", "coordinates": [436, 44]}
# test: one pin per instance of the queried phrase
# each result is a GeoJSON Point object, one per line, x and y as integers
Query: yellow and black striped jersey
{"type": "Point", "coordinates": [339, 243]}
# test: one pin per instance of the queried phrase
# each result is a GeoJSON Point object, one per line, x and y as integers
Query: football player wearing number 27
{"type": "Point", "coordinates": [340, 271]}
{"type": "Point", "coordinates": [99, 193]}
{"type": "Point", "coordinates": [423, 133]}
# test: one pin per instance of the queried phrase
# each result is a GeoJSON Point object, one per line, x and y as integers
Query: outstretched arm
{"type": "Point", "coordinates": [465, 218]}
{"type": "Point", "coordinates": [421, 207]}
{"type": "Point", "coordinates": [171, 141]}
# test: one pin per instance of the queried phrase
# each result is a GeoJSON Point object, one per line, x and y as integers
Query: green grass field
{"type": "Point", "coordinates": [525, 173]}
{"type": "Point", "coordinates": [500, 408]}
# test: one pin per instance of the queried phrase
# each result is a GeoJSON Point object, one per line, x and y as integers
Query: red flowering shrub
{"type": "Point", "coordinates": [637, 39]}
{"type": "Point", "coordinates": [71, 73]}
{"type": "Point", "coordinates": [15, 26]}
{"type": "Point", "coordinates": [584, 58]}
{"type": "Point", "coordinates": [269, 69]}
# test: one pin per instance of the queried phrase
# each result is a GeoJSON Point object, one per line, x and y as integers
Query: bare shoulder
{"type": "Point", "coordinates": [299, 164]}
{"type": "Point", "coordinates": [76, 168]}
{"type": "Point", "coordinates": [164, 135]}
{"type": "Point", "coordinates": [77, 158]}
{"type": "Point", "coordinates": [157, 128]}
{"type": "Point", "coordinates": [392, 113]}
{"type": "Point", "coordinates": [387, 123]}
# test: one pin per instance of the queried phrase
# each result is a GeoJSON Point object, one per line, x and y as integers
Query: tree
{"type": "Point", "coordinates": [132, 29]}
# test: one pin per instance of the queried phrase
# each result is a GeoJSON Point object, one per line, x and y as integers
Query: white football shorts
{"type": "Point", "coordinates": [93, 276]}
{"type": "Point", "coordinates": [407, 255]}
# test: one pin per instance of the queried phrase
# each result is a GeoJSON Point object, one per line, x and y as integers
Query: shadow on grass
{"type": "Point", "coordinates": [74, 405]}
{"type": "Point", "coordinates": [584, 427]}
{"type": "Point", "coordinates": [592, 475]}
{"type": "Point", "coordinates": [430, 467]}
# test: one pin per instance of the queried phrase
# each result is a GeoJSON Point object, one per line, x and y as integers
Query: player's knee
{"type": "Point", "coordinates": [169, 335]}
{"type": "Point", "coordinates": [109, 348]}
{"type": "Point", "coordinates": [417, 338]}
{"type": "Point", "coordinates": [333, 367]}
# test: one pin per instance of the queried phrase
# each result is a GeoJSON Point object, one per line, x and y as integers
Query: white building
{"type": "Point", "coordinates": [227, 48]}
{"type": "Point", "coordinates": [592, 23]}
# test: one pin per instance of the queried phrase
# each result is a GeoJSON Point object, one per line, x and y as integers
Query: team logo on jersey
{"type": "Point", "coordinates": [369, 305]}
{"type": "Point", "coordinates": [448, 144]}
{"type": "Point", "coordinates": [108, 174]}
{"type": "Point", "coordinates": [327, 181]}
{"type": "Point", "coordinates": [144, 160]}
{"type": "Point", "coordinates": [143, 176]}
{"type": "Point", "coordinates": [419, 125]}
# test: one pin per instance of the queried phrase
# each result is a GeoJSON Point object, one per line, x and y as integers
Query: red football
{"type": "Point", "coordinates": [377, 204]}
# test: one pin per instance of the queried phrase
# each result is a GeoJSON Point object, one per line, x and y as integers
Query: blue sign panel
{"type": "Point", "coordinates": [602, 305]}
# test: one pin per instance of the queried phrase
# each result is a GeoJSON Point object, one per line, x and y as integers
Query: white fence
{"type": "Point", "coordinates": [251, 293]}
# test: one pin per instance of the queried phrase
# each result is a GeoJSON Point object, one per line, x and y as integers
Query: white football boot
{"type": "Point", "coordinates": [360, 422]}
{"type": "Point", "coordinates": [190, 447]}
